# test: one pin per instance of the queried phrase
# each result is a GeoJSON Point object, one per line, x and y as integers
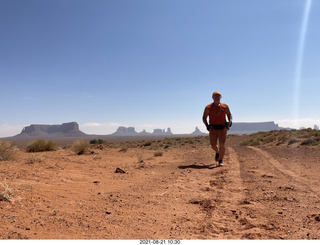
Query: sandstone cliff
{"type": "Point", "coordinates": [253, 127]}
{"type": "Point", "coordinates": [52, 131]}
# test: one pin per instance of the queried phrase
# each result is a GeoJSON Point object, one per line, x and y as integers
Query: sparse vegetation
{"type": "Point", "coordinates": [41, 145]}
{"type": "Point", "coordinates": [292, 141]}
{"type": "Point", "coordinates": [34, 158]}
{"type": "Point", "coordinates": [158, 154]}
{"type": "Point", "coordinates": [123, 148]}
{"type": "Point", "coordinates": [156, 144]}
{"type": "Point", "coordinates": [308, 137]}
{"type": "Point", "coordinates": [80, 146]}
{"type": "Point", "coordinates": [97, 142]}
{"type": "Point", "coordinates": [7, 151]}
{"type": "Point", "coordinates": [310, 142]}
{"type": "Point", "coordinates": [251, 142]}
{"type": "Point", "coordinates": [6, 192]}
{"type": "Point", "coordinates": [139, 156]}
{"type": "Point", "coordinates": [148, 143]}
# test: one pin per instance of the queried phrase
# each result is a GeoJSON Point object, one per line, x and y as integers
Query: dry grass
{"type": "Point", "coordinates": [33, 159]}
{"type": "Point", "coordinates": [41, 145]}
{"type": "Point", "coordinates": [158, 144]}
{"type": "Point", "coordinates": [139, 156]}
{"type": "Point", "coordinates": [158, 154]}
{"type": "Point", "coordinates": [80, 146]}
{"type": "Point", "coordinates": [123, 148]}
{"type": "Point", "coordinates": [6, 192]}
{"type": "Point", "coordinates": [7, 151]}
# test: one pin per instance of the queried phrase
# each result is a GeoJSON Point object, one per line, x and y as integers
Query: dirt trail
{"type": "Point", "coordinates": [281, 201]}
{"type": "Point", "coordinates": [278, 166]}
{"type": "Point", "coordinates": [259, 193]}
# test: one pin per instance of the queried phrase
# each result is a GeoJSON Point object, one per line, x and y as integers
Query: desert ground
{"type": "Point", "coordinates": [164, 189]}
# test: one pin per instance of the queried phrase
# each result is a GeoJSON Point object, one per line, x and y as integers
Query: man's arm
{"type": "Point", "coordinates": [205, 116]}
{"type": "Point", "coordinates": [229, 117]}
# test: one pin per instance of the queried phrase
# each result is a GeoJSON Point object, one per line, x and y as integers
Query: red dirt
{"type": "Point", "coordinates": [269, 192]}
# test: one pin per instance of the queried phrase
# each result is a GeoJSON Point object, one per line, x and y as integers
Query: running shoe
{"type": "Point", "coordinates": [217, 157]}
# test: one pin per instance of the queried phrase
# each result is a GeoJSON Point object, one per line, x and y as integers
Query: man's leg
{"type": "Point", "coordinates": [222, 140]}
{"type": "Point", "coordinates": [213, 142]}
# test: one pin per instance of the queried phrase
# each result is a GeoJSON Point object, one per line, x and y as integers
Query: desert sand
{"type": "Point", "coordinates": [262, 192]}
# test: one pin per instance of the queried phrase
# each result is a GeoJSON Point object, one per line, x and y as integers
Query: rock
{"type": "Point", "coordinates": [120, 171]}
{"type": "Point", "coordinates": [197, 132]}
{"type": "Point", "coordinates": [162, 132]}
{"type": "Point", "coordinates": [70, 129]}
{"type": "Point", "coordinates": [123, 131]}
{"type": "Point", "coordinates": [130, 131]}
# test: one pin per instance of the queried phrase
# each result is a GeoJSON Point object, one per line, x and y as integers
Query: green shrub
{"type": "Point", "coordinates": [309, 142]}
{"type": "Point", "coordinates": [148, 143]}
{"type": "Point", "coordinates": [96, 142]}
{"type": "Point", "coordinates": [7, 150]}
{"type": "Point", "coordinates": [41, 145]}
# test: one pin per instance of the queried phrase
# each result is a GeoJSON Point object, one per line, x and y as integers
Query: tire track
{"type": "Point", "coordinates": [281, 203]}
{"type": "Point", "coordinates": [227, 220]}
{"type": "Point", "coordinates": [290, 174]}
{"type": "Point", "coordinates": [234, 175]}
{"type": "Point", "coordinates": [216, 191]}
{"type": "Point", "coordinates": [251, 197]}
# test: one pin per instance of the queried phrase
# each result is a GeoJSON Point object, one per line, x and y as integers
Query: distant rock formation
{"type": "Point", "coordinates": [52, 131]}
{"type": "Point", "coordinates": [162, 132]}
{"type": "Point", "coordinates": [144, 132]}
{"type": "Point", "coordinates": [125, 131]}
{"type": "Point", "coordinates": [197, 132]}
{"type": "Point", "coordinates": [71, 130]}
{"type": "Point", "coordinates": [249, 128]}
{"type": "Point", "coordinates": [130, 131]}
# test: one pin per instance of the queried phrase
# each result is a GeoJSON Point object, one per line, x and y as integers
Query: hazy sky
{"type": "Point", "coordinates": [155, 63]}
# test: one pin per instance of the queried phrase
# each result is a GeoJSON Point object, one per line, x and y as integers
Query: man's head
{"type": "Point", "coordinates": [216, 96]}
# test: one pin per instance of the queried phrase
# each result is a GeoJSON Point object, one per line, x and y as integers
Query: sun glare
{"type": "Point", "coordinates": [299, 61]}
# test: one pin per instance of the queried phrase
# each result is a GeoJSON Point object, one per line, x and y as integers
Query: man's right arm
{"type": "Point", "coordinates": [205, 116]}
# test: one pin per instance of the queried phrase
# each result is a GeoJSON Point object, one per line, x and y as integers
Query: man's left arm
{"type": "Point", "coordinates": [229, 117]}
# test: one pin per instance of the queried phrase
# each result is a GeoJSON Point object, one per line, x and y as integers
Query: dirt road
{"type": "Point", "coordinates": [259, 193]}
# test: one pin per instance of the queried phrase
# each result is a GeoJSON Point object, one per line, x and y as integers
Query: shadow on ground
{"type": "Point", "coordinates": [199, 166]}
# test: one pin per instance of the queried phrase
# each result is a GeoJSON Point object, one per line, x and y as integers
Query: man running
{"type": "Point", "coordinates": [217, 126]}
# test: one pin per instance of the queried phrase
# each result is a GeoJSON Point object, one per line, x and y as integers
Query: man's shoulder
{"type": "Point", "coordinates": [209, 105]}
{"type": "Point", "coordinates": [223, 105]}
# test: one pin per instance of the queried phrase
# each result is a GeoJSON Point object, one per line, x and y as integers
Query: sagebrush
{"type": "Point", "coordinates": [6, 192]}
{"type": "Point", "coordinates": [41, 145]}
{"type": "Point", "coordinates": [80, 146]}
{"type": "Point", "coordinates": [7, 151]}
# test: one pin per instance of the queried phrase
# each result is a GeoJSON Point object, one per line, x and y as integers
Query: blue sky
{"type": "Point", "coordinates": [155, 63]}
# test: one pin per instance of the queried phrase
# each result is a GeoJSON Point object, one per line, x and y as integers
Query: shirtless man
{"type": "Point", "coordinates": [217, 126]}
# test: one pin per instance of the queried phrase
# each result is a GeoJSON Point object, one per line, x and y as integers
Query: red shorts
{"type": "Point", "coordinates": [215, 134]}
